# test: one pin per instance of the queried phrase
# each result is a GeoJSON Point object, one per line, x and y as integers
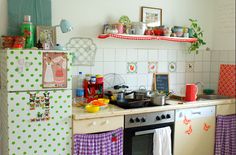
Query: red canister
{"type": "Point", "coordinates": [191, 92]}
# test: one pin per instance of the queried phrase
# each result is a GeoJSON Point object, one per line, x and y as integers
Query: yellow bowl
{"type": "Point", "coordinates": [92, 108]}
{"type": "Point", "coordinates": [104, 100]}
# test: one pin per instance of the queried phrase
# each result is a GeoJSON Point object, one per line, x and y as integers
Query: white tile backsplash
{"type": "Point", "coordinates": [206, 65]}
{"type": "Point", "coordinates": [109, 55]}
{"type": "Point", "coordinates": [132, 55]}
{"type": "Point", "coordinates": [153, 55]}
{"type": "Point", "coordinates": [142, 55]}
{"type": "Point", "coordinates": [120, 55]}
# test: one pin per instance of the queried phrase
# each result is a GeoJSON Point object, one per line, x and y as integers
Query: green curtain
{"type": "Point", "coordinates": [40, 11]}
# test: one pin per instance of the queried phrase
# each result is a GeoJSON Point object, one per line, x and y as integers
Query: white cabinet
{"type": "Point", "coordinates": [226, 109]}
{"type": "Point", "coordinates": [194, 131]}
{"type": "Point", "coordinates": [97, 124]}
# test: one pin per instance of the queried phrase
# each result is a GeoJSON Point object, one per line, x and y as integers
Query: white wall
{"type": "Point", "coordinates": [88, 17]}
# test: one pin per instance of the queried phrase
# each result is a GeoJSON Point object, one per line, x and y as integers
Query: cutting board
{"type": "Point", "coordinates": [226, 85]}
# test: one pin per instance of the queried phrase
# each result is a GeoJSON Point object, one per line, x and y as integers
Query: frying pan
{"type": "Point", "coordinates": [132, 103]}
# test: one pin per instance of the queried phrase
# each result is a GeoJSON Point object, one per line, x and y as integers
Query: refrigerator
{"type": "Point", "coordinates": [35, 109]}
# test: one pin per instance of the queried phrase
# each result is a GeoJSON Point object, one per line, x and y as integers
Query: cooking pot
{"type": "Point", "coordinates": [158, 99]}
{"type": "Point", "coordinates": [142, 93]}
{"type": "Point", "coordinates": [121, 96]}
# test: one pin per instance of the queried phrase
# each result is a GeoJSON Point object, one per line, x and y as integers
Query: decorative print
{"type": "Point", "coordinates": [23, 65]}
{"type": "Point", "coordinates": [226, 86]}
{"type": "Point", "coordinates": [39, 107]}
{"type": "Point", "coordinates": [152, 16]}
{"type": "Point", "coordinates": [54, 70]}
{"type": "Point", "coordinates": [172, 66]}
{"type": "Point", "coordinates": [186, 121]}
{"type": "Point", "coordinates": [189, 130]}
{"type": "Point", "coordinates": [46, 35]}
{"type": "Point", "coordinates": [152, 66]}
{"type": "Point", "coordinates": [206, 127]}
{"type": "Point", "coordinates": [189, 66]}
{"type": "Point", "coordinates": [132, 67]}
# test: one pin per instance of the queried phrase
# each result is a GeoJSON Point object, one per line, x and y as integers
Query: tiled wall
{"type": "Point", "coordinates": [115, 61]}
{"type": "Point", "coordinates": [217, 58]}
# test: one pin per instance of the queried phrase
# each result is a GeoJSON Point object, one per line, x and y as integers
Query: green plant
{"type": "Point", "coordinates": [198, 34]}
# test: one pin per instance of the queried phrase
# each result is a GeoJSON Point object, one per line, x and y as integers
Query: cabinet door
{"type": "Point", "coordinates": [227, 109]}
{"type": "Point", "coordinates": [49, 132]}
{"type": "Point", "coordinates": [195, 132]}
{"type": "Point", "coordinates": [25, 70]}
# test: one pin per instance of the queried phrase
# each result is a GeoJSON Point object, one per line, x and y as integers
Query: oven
{"type": "Point", "coordinates": [139, 131]}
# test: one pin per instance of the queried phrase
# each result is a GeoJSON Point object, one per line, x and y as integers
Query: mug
{"type": "Point", "coordinates": [191, 92]}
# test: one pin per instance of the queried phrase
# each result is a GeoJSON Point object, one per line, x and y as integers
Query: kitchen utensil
{"type": "Point", "coordinates": [191, 92]}
{"type": "Point", "coordinates": [132, 103]}
{"type": "Point", "coordinates": [142, 93]}
{"type": "Point", "coordinates": [158, 99]}
{"type": "Point", "coordinates": [112, 79]}
{"type": "Point", "coordinates": [121, 95]}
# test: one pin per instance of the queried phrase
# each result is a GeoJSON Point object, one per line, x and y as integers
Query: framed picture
{"type": "Point", "coordinates": [161, 82]}
{"type": "Point", "coordinates": [54, 70]}
{"type": "Point", "coordinates": [151, 16]}
{"type": "Point", "coordinates": [46, 34]}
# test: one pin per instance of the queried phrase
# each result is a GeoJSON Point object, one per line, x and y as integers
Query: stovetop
{"type": "Point", "coordinates": [136, 104]}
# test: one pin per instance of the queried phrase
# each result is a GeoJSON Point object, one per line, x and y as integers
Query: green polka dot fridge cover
{"type": "Point", "coordinates": [39, 117]}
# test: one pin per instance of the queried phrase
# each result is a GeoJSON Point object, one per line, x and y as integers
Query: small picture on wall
{"type": "Point", "coordinates": [54, 70]}
{"type": "Point", "coordinates": [151, 16]}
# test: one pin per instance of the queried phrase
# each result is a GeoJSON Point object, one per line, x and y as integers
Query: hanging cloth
{"type": "Point", "coordinates": [225, 140]}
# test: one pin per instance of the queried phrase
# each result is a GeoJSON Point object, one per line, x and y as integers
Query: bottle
{"type": "Point", "coordinates": [80, 80]}
{"type": "Point", "coordinates": [27, 30]}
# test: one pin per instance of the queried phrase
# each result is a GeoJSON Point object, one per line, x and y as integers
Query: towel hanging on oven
{"type": "Point", "coordinates": [162, 141]}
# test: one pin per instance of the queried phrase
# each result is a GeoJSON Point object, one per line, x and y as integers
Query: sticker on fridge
{"type": "Point", "coordinates": [54, 70]}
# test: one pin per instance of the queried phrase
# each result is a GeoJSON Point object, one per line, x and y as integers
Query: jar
{"type": "Point", "coordinates": [99, 79]}
{"type": "Point", "coordinates": [139, 28]}
{"type": "Point", "coordinates": [93, 79]}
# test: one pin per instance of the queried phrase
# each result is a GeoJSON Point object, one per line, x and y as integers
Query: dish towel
{"type": "Point", "coordinates": [108, 143]}
{"type": "Point", "coordinates": [225, 140]}
{"type": "Point", "coordinates": [162, 141]}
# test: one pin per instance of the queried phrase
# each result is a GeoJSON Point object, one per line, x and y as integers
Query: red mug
{"type": "Point", "coordinates": [191, 92]}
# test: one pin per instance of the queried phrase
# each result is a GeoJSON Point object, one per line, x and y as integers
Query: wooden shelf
{"type": "Point", "coordinates": [147, 37]}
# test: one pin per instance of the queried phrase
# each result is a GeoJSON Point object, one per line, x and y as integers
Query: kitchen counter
{"type": "Point", "coordinates": [112, 110]}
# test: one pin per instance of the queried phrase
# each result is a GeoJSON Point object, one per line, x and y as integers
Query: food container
{"type": "Point", "coordinates": [99, 79]}
{"type": "Point", "coordinates": [93, 79]}
{"type": "Point", "coordinates": [138, 28]}
{"type": "Point", "coordinates": [158, 99]}
{"type": "Point", "coordinates": [8, 41]}
{"type": "Point", "coordinates": [92, 108]}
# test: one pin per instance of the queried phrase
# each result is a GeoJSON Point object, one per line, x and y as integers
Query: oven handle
{"type": "Point", "coordinates": [144, 132]}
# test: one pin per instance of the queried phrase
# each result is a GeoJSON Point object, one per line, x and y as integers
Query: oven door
{"type": "Point", "coordinates": [139, 140]}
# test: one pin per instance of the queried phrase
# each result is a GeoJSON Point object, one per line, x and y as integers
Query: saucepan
{"type": "Point", "coordinates": [158, 98]}
{"type": "Point", "coordinates": [142, 93]}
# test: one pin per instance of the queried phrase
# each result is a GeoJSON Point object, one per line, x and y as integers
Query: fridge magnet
{"type": "Point", "coordinates": [186, 121]}
{"type": "Point", "coordinates": [39, 106]}
{"type": "Point", "coordinates": [22, 65]}
{"type": "Point", "coordinates": [54, 70]}
{"type": "Point", "coordinates": [172, 67]}
{"type": "Point", "coordinates": [189, 130]}
{"type": "Point", "coordinates": [152, 66]}
{"type": "Point", "coordinates": [132, 67]}
{"type": "Point", "coordinates": [206, 127]}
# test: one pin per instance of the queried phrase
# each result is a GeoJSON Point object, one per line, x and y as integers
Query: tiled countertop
{"type": "Point", "coordinates": [79, 113]}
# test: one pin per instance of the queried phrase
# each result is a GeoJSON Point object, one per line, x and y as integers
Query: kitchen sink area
{"type": "Point", "coordinates": [212, 97]}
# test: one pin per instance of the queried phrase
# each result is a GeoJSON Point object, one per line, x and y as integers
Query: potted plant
{"type": "Point", "coordinates": [195, 31]}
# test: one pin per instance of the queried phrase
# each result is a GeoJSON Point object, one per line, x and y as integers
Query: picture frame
{"type": "Point", "coordinates": [54, 70]}
{"type": "Point", "coordinates": [161, 82]}
{"type": "Point", "coordinates": [46, 34]}
{"type": "Point", "coordinates": [151, 16]}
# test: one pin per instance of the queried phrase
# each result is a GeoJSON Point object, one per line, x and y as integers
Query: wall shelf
{"type": "Point", "coordinates": [146, 37]}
